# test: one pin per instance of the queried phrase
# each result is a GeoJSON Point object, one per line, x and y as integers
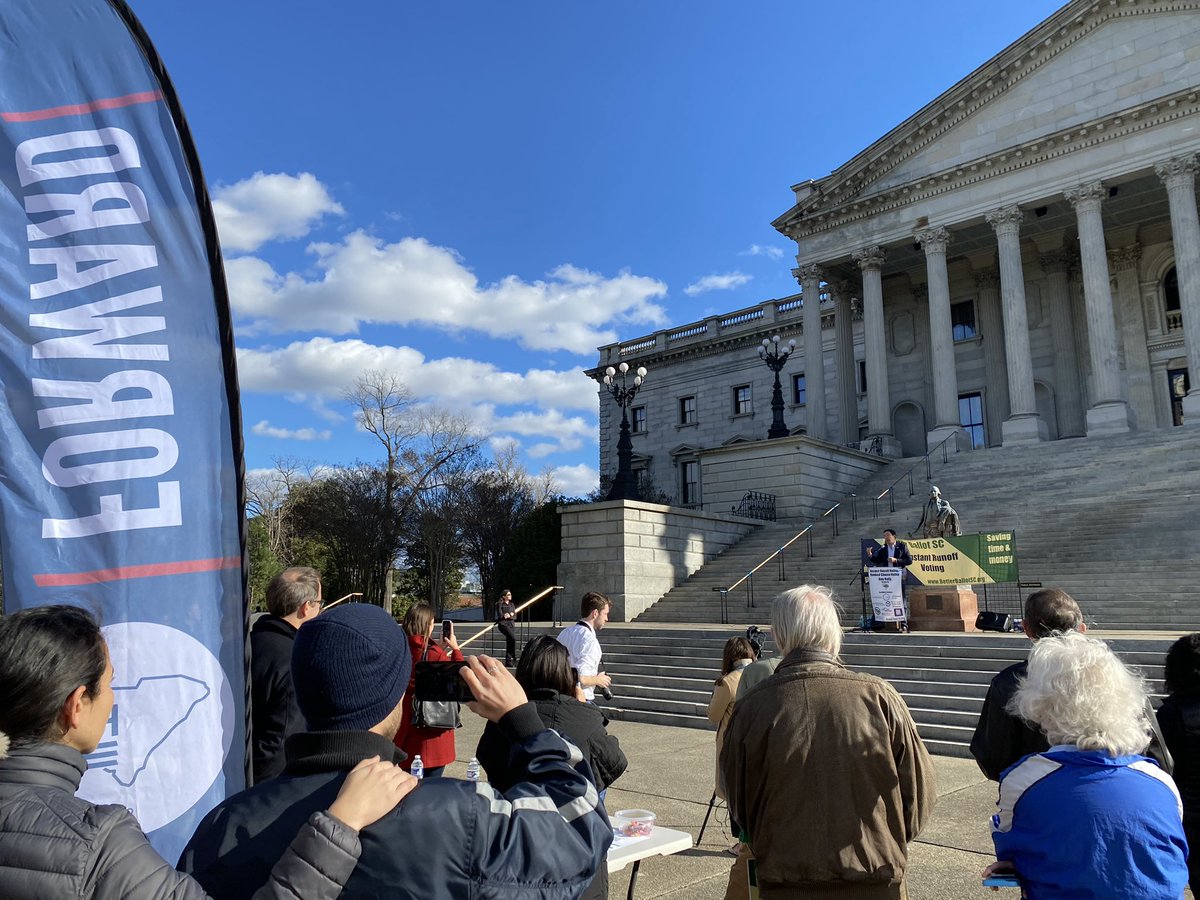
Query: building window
{"type": "Point", "coordinates": [799, 394]}
{"type": "Point", "coordinates": [689, 473]}
{"type": "Point", "coordinates": [741, 400]}
{"type": "Point", "coordinates": [970, 416]}
{"type": "Point", "coordinates": [862, 376]}
{"type": "Point", "coordinates": [1171, 301]}
{"type": "Point", "coordinates": [687, 410]}
{"type": "Point", "coordinates": [962, 319]}
{"type": "Point", "coordinates": [637, 419]}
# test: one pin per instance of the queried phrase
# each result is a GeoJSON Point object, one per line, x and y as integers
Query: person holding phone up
{"type": "Point", "coordinates": [434, 745]}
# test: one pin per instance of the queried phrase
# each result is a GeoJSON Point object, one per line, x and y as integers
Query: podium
{"type": "Point", "coordinates": [942, 609]}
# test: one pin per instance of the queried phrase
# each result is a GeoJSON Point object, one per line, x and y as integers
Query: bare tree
{"type": "Point", "coordinates": [419, 442]}
{"type": "Point", "coordinates": [267, 500]}
{"type": "Point", "coordinates": [495, 502]}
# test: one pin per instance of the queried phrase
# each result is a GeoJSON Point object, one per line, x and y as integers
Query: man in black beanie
{"type": "Point", "coordinates": [543, 838]}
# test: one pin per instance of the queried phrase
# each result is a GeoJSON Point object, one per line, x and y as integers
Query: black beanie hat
{"type": "Point", "coordinates": [350, 667]}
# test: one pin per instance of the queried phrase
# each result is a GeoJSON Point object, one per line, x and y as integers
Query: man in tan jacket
{"type": "Point", "coordinates": [823, 767]}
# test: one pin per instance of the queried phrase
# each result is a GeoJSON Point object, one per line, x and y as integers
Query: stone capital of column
{"type": "Point", "coordinates": [1087, 196]}
{"type": "Point", "coordinates": [988, 279]}
{"type": "Point", "coordinates": [839, 289]}
{"type": "Point", "coordinates": [1124, 258]}
{"type": "Point", "coordinates": [1057, 262]}
{"type": "Point", "coordinates": [1177, 172]}
{"type": "Point", "coordinates": [869, 257]}
{"type": "Point", "coordinates": [920, 293]}
{"type": "Point", "coordinates": [933, 240]}
{"type": "Point", "coordinates": [809, 272]}
{"type": "Point", "coordinates": [856, 307]}
{"type": "Point", "coordinates": [1006, 219]}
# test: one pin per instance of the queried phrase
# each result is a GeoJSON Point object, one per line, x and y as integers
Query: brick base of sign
{"type": "Point", "coordinates": [942, 609]}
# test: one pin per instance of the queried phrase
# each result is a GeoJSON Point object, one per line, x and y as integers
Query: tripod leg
{"type": "Point", "coordinates": [704, 824]}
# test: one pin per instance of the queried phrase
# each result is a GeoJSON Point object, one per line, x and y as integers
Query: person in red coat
{"type": "Point", "coordinates": [435, 746]}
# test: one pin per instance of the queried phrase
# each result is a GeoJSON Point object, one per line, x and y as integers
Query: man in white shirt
{"type": "Point", "coordinates": [583, 647]}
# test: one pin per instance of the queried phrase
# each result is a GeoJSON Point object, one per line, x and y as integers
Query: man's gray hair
{"type": "Point", "coordinates": [1078, 692]}
{"type": "Point", "coordinates": [291, 588]}
{"type": "Point", "coordinates": [806, 616]}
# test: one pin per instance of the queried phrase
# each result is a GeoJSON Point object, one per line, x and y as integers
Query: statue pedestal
{"type": "Point", "coordinates": [942, 609]}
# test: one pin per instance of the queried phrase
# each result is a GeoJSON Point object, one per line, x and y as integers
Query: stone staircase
{"type": "Point", "coordinates": [664, 674]}
{"type": "Point", "coordinates": [1112, 521]}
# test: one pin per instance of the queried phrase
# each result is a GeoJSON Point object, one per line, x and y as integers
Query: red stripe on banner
{"type": "Point", "coordinates": [55, 112]}
{"type": "Point", "coordinates": [69, 579]}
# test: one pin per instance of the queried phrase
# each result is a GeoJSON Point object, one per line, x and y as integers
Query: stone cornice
{"type": "Point", "coordinates": [849, 183]}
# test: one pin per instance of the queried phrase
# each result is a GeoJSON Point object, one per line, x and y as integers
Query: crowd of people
{"type": "Point", "coordinates": [826, 779]}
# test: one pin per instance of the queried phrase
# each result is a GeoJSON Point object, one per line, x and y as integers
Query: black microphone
{"type": "Point", "coordinates": [604, 692]}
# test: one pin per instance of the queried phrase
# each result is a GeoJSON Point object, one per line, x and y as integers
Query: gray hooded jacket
{"type": "Point", "coordinates": [55, 845]}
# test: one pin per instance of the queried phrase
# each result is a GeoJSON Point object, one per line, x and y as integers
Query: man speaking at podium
{"type": "Point", "coordinates": [893, 553]}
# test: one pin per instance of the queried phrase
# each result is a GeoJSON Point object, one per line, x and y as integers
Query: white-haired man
{"type": "Point", "coordinates": [824, 767]}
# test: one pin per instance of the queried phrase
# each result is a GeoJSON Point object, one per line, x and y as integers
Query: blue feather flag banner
{"type": "Point", "coordinates": [120, 476]}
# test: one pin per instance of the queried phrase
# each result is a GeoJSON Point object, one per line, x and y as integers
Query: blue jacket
{"type": "Point", "coordinates": [1078, 824]}
{"type": "Point", "coordinates": [543, 839]}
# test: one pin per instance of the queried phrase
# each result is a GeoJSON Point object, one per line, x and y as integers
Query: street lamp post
{"type": "Point", "coordinates": [624, 486]}
{"type": "Point", "coordinates": [775, 358]}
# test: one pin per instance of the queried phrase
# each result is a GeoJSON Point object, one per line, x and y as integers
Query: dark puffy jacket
{"type": "Point", "coordinates": [274, 713]}
{"type": "Point", "coordinates": [1179, 719]}
{"type": "Point", "coordinates": [541, 840]}
{"type": "Point", "coordinates": [581, 722]}
{"type": "Point", "coordinates": [55, 846]}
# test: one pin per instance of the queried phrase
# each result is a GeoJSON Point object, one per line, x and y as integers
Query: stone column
{"type": "Point", "coordinates": [810, 277]}
{"type": "Point", "coordinates": [1179, 175]}
{"type": "Point", "coordinates": [1023, 425]}
{"type": "Point", "coordinates": [1068, 389]}
{"type": "Point", "coordinates": [847, 391]}
{"type": "Point", "coordinates": [991, 328]}
{"type": "Point", "coordinates": [1108, 414]}
{"type": "Point", "coordinates": [1132, 328]}
{"type": "Point", "coordinates": [941, 339]}
{"type": "Point", "coordinates": [879, 417]}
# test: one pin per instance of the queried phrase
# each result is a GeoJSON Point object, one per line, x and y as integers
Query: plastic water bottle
{"type": "Point", "coordinates": [418, 767]}
{"type": "Point", "coordinates": [473, 769]}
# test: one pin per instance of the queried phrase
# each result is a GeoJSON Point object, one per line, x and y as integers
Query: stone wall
{"type": "Point", "coordinates": [805, 475]}
{"type": "Point", "coordinates": [635, 552]}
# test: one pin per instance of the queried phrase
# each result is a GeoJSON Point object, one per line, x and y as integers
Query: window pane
{"type": "Point", "coordinates": [962, 320]}
{"type": "Point", "coordinates": [799, 392]}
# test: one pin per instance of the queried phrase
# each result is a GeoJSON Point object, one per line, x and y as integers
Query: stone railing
{"type": "Point", "coordinates": [1174, 320]}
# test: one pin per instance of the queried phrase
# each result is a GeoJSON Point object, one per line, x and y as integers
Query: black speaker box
{"type": "Point", "coordinates": [994, 621]}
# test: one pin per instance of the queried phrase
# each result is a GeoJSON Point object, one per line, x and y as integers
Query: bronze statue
{"type": "Point", "coordinates": [939, 518]}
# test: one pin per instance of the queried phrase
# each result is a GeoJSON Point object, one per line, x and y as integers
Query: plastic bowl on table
{"type": "Point", "coordinates": [634, 822]}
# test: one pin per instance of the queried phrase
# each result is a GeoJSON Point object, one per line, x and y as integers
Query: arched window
{"type": "Point", "coordinates": [1170, 289]}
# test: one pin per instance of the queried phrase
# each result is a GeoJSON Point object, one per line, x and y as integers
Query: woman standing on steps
{"type": "Point", "coordinates": [738, 654]}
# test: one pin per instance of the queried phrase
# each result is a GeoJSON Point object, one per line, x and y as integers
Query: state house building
{"type": "Point", "coordinates": [1018, 261]}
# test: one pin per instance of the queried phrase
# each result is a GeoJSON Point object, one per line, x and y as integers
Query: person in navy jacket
{"type": "Point", "coordinates": [541, 839]}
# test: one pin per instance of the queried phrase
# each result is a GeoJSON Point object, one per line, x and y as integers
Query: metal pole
{"type": "Point", "coordinates": [835, 523]}
{"type": "Point", "coordinates": [892, 499]}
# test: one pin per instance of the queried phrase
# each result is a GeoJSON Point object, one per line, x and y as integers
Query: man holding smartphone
{"type": "Point", "coordinates": [583, 647]}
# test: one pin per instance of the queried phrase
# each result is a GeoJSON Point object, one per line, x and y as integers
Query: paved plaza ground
{"type": "Point", "coordinates": [671, 772]}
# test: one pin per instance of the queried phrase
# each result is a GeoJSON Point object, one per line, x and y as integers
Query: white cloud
{"type": "Point", "coordinates": [717, 283]}
{"type": "Point", "coordinates": [362, 279]}
{"type": "Point", "coordinates": [761, 250]}
{"type": "Point", "coordinates": [561, 406]}
{"type": "Point", "coordinates": [575, 481]}
{"type": "Point", "coordinates": [266, 429]}
{"type": "Point", "coordinates": [265, 207]}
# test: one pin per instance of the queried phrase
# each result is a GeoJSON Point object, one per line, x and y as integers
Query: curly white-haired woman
{"type": "Point", "coordinates": [1089, 817]}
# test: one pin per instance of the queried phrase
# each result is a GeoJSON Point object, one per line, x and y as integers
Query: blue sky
{"type": "Point", "coordinates": [476, 196]}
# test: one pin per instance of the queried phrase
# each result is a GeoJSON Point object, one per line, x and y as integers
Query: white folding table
{"type": "Point", "coordinates": [660, 842]}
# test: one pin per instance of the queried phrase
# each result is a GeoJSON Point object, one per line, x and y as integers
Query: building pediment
{"type": "Point", "coordinates": [1075, 72]}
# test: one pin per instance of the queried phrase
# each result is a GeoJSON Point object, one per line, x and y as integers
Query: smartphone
{"type": "Point", "coordinates": [441, 681]}
{"type": "Point", "coordinates": [1001, 881]}
{"type": "Point", "coordinates": [447, 629]}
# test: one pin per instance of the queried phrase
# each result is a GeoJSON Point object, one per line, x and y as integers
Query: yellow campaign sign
{"type": "Point", "coordinates": [989, 558]}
